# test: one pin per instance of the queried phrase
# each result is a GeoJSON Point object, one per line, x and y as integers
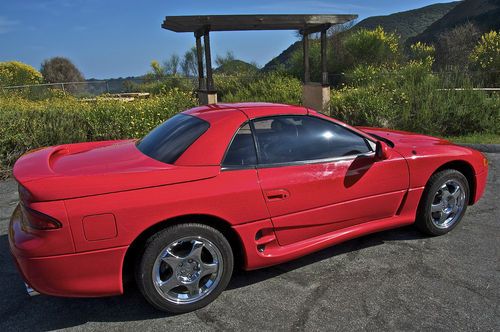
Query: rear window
{"type": "Point", "coordinates": [168, 141]}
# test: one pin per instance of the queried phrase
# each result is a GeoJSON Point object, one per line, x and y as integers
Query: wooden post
{"type": "Point", "coordinates": [208, 60]}
{"type": "Point", "coordinates": [324, 70]}
{"type": "Point", "coordinates": [305, 45]}
{"type": "Point", "coordinates": [199, 56]}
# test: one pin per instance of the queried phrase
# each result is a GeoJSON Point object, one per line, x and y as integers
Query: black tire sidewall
{"type": "Point", "coordinates": [158, 242]}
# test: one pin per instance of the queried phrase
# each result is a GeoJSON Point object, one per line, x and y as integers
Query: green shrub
{"type": "Point", "coordinates": [412, 97]}
{"type": "Point", "coordinates": [27, 124]}
{"type": "Point", "coordinates": [162, 86]}
{"type": "Point", "coordinates": [274, 87]}
{"type": "Point", "coordinates": [372, 46]}
{"type": "Point", "coordinates": [229, 85]}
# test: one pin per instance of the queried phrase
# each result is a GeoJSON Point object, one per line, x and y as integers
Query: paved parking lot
{"type": "Point", "coordinates": [395, 280]}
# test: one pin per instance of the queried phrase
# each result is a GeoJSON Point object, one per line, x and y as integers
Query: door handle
{"type": "Point", "coordinates": [277, 194]}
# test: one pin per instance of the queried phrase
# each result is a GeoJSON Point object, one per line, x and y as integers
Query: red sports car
{"type": "Point", "coordinates": [222, 185]}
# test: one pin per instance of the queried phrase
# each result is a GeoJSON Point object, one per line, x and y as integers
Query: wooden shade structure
{"type": "Point", "coordinates": [305, 23]}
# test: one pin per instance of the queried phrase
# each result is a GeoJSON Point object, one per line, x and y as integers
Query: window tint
{"type": "Point", "coordinates": [168, 141]}
{"type": "Point", "coordinates": [242, 149]}
{"type": "Point", "coordinates": [284, 139]}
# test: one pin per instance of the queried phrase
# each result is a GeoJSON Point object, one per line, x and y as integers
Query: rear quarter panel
{"type": "Point", "coordinates": [234, 196]}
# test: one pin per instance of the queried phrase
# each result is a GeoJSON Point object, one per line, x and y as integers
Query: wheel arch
{"type": "Point", "coordinates": [467, 170]}
{"type": "Point", "coordinates": [136, 247]}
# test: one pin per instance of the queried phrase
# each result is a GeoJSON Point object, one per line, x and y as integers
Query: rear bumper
{"type": "Point", "coordinates": [87, 274]}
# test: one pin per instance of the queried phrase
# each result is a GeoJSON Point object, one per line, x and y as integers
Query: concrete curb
{"type": "Point", "coordinates": [488, 148]}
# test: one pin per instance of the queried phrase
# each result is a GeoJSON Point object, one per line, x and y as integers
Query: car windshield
{"type": "Point", "coordinates": [168, 141]}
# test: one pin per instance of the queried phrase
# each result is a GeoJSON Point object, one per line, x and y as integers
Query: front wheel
{"type": "Point", "coordinates": [184, 267]}
{"type": "Point", "coordinates": [443, 202]}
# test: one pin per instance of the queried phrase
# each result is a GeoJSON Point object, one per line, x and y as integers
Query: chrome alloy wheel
{"type": "Point", "coordinates": [187, 270]}
{"type": "Point", "coordinates": [447, 205]}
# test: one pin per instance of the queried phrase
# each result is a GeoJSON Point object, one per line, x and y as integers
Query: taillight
{"type": "Point", "coordinates": [24, 194]}
{"type": "Point", "coordinates": [37, 220]}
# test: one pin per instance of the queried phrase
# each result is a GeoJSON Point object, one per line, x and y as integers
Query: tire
{"type": "Point", "coordinates": [184, 267]}
{"type": "Point", "coordinates": [442, 205]}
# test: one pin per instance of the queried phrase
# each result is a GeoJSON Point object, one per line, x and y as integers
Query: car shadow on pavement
{"type": "Point", "coordinates": [41, 313]}
{"type": "Point", "coordinates": [245, 278]}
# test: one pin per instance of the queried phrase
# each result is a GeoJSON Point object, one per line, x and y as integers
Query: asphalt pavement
{"type": "Point", "coordinates": [394, 280]}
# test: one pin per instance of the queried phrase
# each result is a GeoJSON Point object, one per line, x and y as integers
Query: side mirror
{"type": "Point", "coordinates": [382, 151]}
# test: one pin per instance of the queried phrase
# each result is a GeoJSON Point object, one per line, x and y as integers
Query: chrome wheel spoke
{"type": "Point", "coordinates": [170, 284]}
{"type": "Point", "coordinates": [207, 269]}
{"type": "Point", "coordinates": [196, 250]}
{"type": "Point", "coordinates": [444, 190]}
{"type": "Point", "coordinates": [456, 193]}
{"type": "Point", "coordinates": [443, 217]}
{"type": "Point", "coordinates": [437, 207]}
{"type": "Point", "coordinates": [193, 288]}
{"type": "Point", "coordinates": [172, 260]}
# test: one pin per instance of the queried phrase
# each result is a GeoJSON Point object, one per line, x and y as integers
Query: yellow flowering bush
{"type": "Point", "coordinates": [422, 52]}
{"type": "Point", "coordinates": [28, 124]}
{"type": "Point", "coordinates": [486, 54]}
{"type": "Point", "coordinates": [18, 73]}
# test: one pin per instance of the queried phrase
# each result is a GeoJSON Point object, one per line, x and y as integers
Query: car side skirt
{"type": "Point", "coordinates": [262, 249]}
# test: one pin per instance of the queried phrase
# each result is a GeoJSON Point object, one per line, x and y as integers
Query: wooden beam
{"type": "Point", "coordinates": [305, 47]}
{"type": "Point", "coordinates": [324, 69]}
{"type": "Point", "coordinates": [253, 22]}
{"type": "Point", "coordinates": [199, 57]}
{"type": "Point", "coordinates": [208, 61]}
{"type": "Point", "coordinates": [315, 29]}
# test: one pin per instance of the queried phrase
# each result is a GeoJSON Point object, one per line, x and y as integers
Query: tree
{"type": "Point", "coordinates": [60, 70]}
{"type": "Point", "coordinates": [18, 73]}
{"type": "Point", "coordinates": [372, 46]}
{"type": "Point", "coordinates": [486, 54]}
{"type": "Point", "coordinates": [157, 71]}
{"type": "Point", "coordinates": [189, 64]}
{"type": "Point", "coordinates": [221, 60]}
{"type": "Point", "coordinates": [171, 66]}
{"type": "Point", "coordinates": [454, 46]}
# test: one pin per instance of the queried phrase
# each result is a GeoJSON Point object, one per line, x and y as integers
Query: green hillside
{"type": "Point", "coordinates": [410, 23]}
{"type": "Point", "coordinates": [233, 67]}
{"type": "Point", "coordinates": [407, 24]}
{"type": "Point", "coordinates": [484, 14]}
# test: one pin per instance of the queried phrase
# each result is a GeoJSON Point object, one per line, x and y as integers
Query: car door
{"type": "Point", "coordinates": [318, 176]}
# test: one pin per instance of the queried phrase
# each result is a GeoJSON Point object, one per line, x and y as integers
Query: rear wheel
{"type": "Point", "coordinates": [184, 267]}
{"type": "Point", "coordinates": [443, 202]}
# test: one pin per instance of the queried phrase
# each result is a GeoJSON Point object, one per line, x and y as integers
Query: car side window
{"type": "Point", "coordinates": [241, 152]}
{"type": "Point", "coordinates": [284, 139]}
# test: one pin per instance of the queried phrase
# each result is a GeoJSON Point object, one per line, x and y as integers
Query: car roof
{"type": "Point", "coordinates": [224, 120]}
{"type": "Point", "coordinates": [250, 110]}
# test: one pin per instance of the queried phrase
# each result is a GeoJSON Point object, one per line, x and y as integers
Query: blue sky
{"type": "Point", "coordinates": [113, 38]}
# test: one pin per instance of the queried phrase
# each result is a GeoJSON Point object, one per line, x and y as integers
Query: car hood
{"type": "Point", "coordinates": [404, 140]}
{"type": "Point", "coordinates": [84, 169]}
